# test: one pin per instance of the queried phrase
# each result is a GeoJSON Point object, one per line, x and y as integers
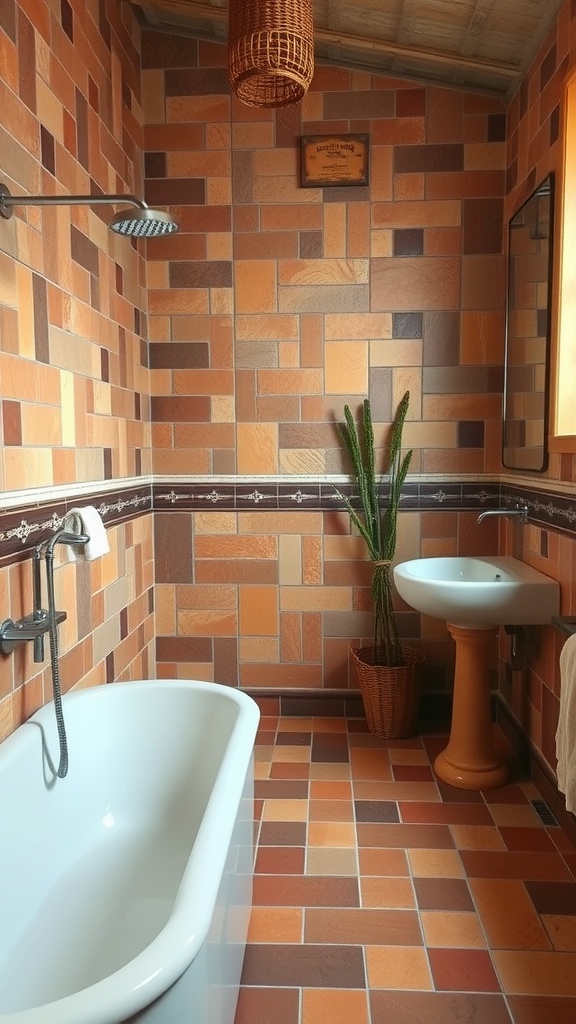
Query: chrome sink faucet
{"type": "Point", "coordinates": [520, 511]}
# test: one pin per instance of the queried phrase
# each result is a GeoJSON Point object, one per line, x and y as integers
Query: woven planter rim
{"type": "Point", "coordinates": [270, 50]}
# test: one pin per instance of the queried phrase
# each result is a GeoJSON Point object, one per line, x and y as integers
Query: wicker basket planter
{"type": "Point", "coordinates": [391, 694]}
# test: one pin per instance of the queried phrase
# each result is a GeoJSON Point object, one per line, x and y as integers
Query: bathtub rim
{"type": "Point", "coordinates": [140, 982]}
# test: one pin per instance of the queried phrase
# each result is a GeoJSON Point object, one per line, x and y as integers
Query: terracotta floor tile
{"type": "Point", "coordinates": [445, 814]}
{"type": "Point", "coordinates": [561, 840]}
{"type": "Point", "coordinates": [398, 967]}
{"type": "Point", "coordinates": [409, 742]}
{"type": "Point", "coordinates": [463, 970]}
{"type": "Point", "coordinates": [276, 924]}
{"type": "Point", "coordinates": [454, 930]}
{"type": "Point", "coordinates": [561, 929]}
{"type": "Point", "coordinates": [519, 927]}
{"type": "Point", "coordinates": [262, 1005]}
{"type": "Point", "coordinates": [283, 833]}
{"type": "Point", "coordinates": [365, 789]}
{"type": "Point", "coordinates": [515, 814]}
{"type": "Point", "coordinates": [489, 864]}
{"type": "Point", "coordinates": [331, 833]}
{"type": "Point", "coordinates": [331, 810]}
{"type": "Point", "coordinates": [329, 723]}
{"type": "Point", "coordinates": [535, 839]}
{"type": "Point", "coordinates": [292, 737]}
{"type": "Point", "coordinates": [363, 926]}
{"type": "Point", "coordinates": [553, 897]}
{"type": "Point", "coordinates": [453, 795]}
{"type": "Point", "coordinates": [285, 810]}
{"type": "Point", "coordinates": [383, 862]}
{"type": "Point", "coordinates": [281, 789]}
{"type": "Point", "coordinates": [305, 891]}
{"type": "Point", "coordinates": [289, 770]}
{"type": "Point", "coordinates": [320, 790]}
{"type": "Point", "coordinates": [275, 860]}
{"type": "Point", "coordinates": [338, 1006]}
{"type": "Point", "coordinates": [405, 836]}
{"type": "Point", "coordinates": [543, 974]}
{"type": "Point", "coordinates": [291, 753]}
{"type": "Point", "coordinates": [329, 746]}
{"type": "Point", "coordinates": [334, 772]}
{"type": "Point", "coordinates": [440, 1008]}
{"type": "Point", "coordinates": [511, 794]}
{"type": "Point", "coordinates": [310, 966]}
{"type": "Point", "coordinates": [387, 892]}
{"type": "Point", "coordinates": [331, 861]}
{"type": "Point", "coordinates": [370, 764]}
{"type": "Point", "coordinates": [570, 859]}
{"type": "Point", "coordinates": [435, 863]}
{"type": "Point", "coordinates": [477, 837]}
{"type": "Point", "coordinates": [534, 1009]}
{"type": "Point", "coordinates": [408, 756]}
{"type": "Point", "coordinates": [376, 810]}
{"type": "Point", "coordinates": [412, 773]}
{"type": "Point", "coordinates": [265, 738]}
{"type": "Point", "coordinates": [442, 894]}
{"type": "Point", "coordinates": [287, 723]}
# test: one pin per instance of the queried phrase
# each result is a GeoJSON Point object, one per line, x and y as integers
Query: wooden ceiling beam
{"type": "Point", "coordinates": [328, 37]}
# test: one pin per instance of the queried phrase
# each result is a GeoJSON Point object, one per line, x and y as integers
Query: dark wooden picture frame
{"type": "Point", "coordinates": [334, 160]}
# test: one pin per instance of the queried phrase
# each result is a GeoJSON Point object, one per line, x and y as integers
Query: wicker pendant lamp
{"type": "Point", "coordinates": [270, 50]}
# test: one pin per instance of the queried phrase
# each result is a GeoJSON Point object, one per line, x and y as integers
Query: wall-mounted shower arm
{"type": "Point", "coordinates": [144, 223]}
{"type": "Point", "coordinates": [8, 201]}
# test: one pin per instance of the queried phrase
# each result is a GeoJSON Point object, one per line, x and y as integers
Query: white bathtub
{"type": "Point", "coordinates": [125, 888]}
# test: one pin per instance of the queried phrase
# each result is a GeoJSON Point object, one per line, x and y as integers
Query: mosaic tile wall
{"type": "Point", "coordinates": [74, 380]}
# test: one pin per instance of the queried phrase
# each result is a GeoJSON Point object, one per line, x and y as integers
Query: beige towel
{"type": "Point", "coordinates": [566, 732]}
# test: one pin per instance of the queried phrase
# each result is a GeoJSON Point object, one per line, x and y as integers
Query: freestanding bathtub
{"type": "Point", "coordinates": [125, 888]}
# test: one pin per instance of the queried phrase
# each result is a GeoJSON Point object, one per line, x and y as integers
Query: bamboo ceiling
{"type": "Point", "coordinates": [484, 45]}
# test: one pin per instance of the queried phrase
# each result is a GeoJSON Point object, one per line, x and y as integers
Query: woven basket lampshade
{"type": "Point", "coordinates": [270, 50]}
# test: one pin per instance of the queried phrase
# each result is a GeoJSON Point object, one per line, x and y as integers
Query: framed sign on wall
{"type": "Point", "coordinates": [334, 160]}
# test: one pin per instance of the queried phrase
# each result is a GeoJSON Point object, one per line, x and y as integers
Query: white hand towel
{"type": "Point", "coordinates": [566, 732]}
{"type": "Point", "coordinates": [89, 521]}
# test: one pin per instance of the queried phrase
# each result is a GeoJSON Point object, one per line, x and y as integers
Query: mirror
{"type": "Point", "coordinates": [528, 331]}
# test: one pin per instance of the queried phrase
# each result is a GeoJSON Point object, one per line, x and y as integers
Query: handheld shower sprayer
{"type": "Point", "coordinates": [143, 222]}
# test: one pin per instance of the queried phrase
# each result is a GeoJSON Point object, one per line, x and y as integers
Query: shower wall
{"type": "Point", "coordinates": [74, 379]}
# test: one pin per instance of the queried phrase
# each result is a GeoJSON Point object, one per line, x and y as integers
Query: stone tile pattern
{"type": "Point", "coordinates": [278, 304]}
{"type": "Point", "coordinates": [74, 376]}
{"type": "Point", "coordinates": [381, 894]}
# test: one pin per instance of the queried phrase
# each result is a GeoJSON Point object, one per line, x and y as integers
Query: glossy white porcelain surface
{"type": "Point", "coordinates": [128, 882]}
{"type": "Point", "coordinates": [485, 591]}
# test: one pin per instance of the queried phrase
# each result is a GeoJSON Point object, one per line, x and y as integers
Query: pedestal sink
{"type": "Point", "coordinates": [475, 596]}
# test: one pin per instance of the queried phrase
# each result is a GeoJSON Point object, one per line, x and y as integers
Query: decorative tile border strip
{"type": "Point", "coordinates": [22, 529]}
{"type": "Point", "coordinates": [23, 526]}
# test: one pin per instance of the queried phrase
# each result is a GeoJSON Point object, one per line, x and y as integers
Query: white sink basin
{"type": "Point", "coordinates": [487, 591]}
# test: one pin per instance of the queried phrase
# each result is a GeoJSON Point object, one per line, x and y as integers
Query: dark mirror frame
{"type": "Point", "coordinates": [527, 351]}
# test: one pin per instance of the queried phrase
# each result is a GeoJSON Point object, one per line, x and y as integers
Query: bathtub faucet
{"type": "Point", "coordinates": [33, 627]}
{"type": "Point", "coordinates": [520, 511]}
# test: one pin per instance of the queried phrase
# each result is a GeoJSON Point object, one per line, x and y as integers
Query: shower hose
{"type": "Point", "coordinates": [62, 769]}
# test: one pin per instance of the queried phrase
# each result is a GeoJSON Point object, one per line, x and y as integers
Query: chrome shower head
{"type": "Point", "coordinates": [143, 223]}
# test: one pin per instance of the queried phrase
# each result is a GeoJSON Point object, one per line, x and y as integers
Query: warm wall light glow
{"type": "Point", "coordinates": [270, 50]}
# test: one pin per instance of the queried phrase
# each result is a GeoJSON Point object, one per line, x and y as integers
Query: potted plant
{"type": "Point", "coordinates": [387, 671]}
